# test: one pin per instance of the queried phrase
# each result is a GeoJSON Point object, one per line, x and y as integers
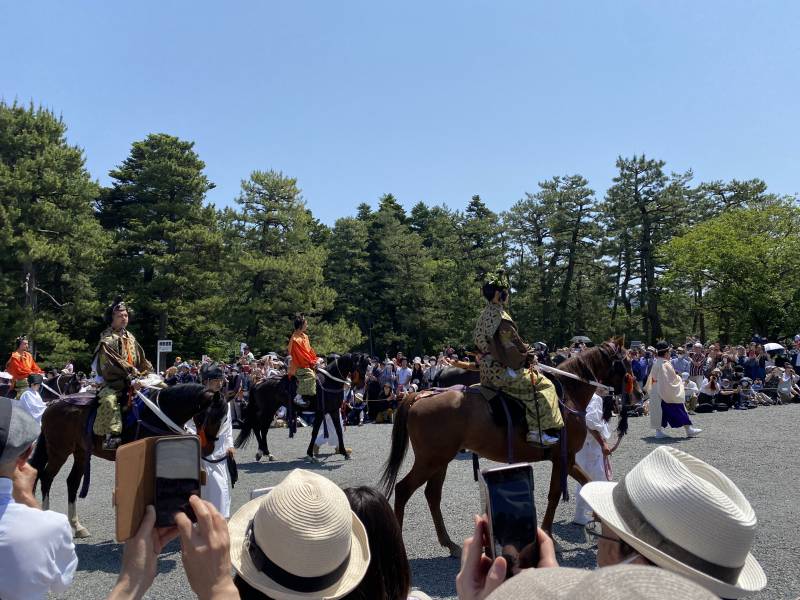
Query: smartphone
{"type": "Point", "coordinates": [177, 477]}
{"type": "Point", "coordinates": [507, 494]}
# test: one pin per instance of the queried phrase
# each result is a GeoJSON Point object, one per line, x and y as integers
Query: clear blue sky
{"type": "Point", "coordinates": [432, 101]}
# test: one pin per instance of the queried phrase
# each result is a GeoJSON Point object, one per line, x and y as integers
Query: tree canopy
{"type": "Point", "coordinates": [657, 255]}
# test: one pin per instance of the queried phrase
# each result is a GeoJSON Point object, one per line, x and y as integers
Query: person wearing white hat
{"type": "Point", "coordinates": [300, 541]}
{"type": "Point", "coordinates": [679, 513]}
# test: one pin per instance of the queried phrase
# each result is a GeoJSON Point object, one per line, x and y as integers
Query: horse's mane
{"type": "Point", "coordinates": [586, 363]}
{"type": "Point", "coordinates": [182, 392]}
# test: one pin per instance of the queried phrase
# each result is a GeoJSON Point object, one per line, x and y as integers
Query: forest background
{"type": "Point", "coordinates": [658, 255]}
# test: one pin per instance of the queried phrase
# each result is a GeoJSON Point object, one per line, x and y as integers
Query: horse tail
{"type": "Point", "coordinates": [39, 459]}
{"type": "Point", "coordinates": [246, 427]}
{"type": "Point", "coordinates": [399, 449]}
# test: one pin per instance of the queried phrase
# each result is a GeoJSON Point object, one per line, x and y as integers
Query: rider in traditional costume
{"type": "Point", "coordinates": [304, 361]}
{"type": "Point", "coordinates": [505, 364]}
{"type": "Point", "coordinates": [21, 364]}
{"type": "Point", "coordinates": [118, 360]}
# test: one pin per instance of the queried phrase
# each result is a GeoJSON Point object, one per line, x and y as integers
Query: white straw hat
{"type": "Point", "coordinates": [685, 516]}
{"type": "Point", "coordinates": [301, 540]}
{"type": "Point", "coordinates": [621, 582]}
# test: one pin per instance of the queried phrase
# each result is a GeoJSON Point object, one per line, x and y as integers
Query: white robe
{"type": "Point", "coordinates": [217, 487]}
{"type": "Point", "coordinates": [33, 404]}
{"type": "Point", "coordinates": [332, 439]}
{"type": "Point", "coordinates": [665, 384]}
{"type": "Point", "coordinates": [590, 457]}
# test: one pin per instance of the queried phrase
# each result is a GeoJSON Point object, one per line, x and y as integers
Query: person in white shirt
{"type": "Point", "coordinates": [690, 391]}
{"type": "Point", "coordinates": [31, 400]}
{"type": "Point", "coordinates": [593, 457]}
{"type": "Point", "coordinates": [403, 375]}
{"type": "Point", "coordinates": [37, 555]}
{"type": "Point", "coordinates": [217, 487]}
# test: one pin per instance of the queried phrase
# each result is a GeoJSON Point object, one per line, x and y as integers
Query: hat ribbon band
{"type": "Point", "coordinates": [640, 528]}
{"type": "Point", "coordinates": [298, 583]}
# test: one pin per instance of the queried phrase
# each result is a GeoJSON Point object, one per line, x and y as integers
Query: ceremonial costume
{"type": "Point", "coordinates": [667, 396]}
{"type": "Point", "coordinates": [217, 487]}
{"type": "Point", "coordinates": [20, 365]}
{"type": "Point", "coordinates": [118, 359]}
{"type": "Point", "coordinates": [303, 361]}
{"type": "Point", "coordinates": [504, 367]}
{"type": "Point", "coordinates": [31, 401]}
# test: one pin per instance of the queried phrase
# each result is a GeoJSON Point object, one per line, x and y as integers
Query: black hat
{"type": "Point", "coordinates": [35, 378]}
{"type": "Point", "coordinates": [19, 340]}
{"type": "Point", "coordinates": [662, 346]}
{"type": "Point", "coordinates": [117, 305]}
{"type": "Point", "coordinates": [211, 371]}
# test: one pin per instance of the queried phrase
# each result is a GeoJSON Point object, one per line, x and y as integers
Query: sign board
{"type": "Point", "coordinates": [165, 345]}
{"type": "Point", "coordinates": [636, 344]}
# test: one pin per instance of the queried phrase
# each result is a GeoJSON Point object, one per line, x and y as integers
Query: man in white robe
{"type": "Point", "coordinates": [667, 395]}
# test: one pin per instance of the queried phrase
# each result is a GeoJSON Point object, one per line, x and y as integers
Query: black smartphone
{"type": "Point", "coordinates": [508, 500]}
{"type": "Point", "coordinates": [177, 471]}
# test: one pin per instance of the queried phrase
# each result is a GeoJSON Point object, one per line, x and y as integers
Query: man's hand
{"type": "Point", "coordinates": [205, 551]}
{"type": "Point", "coordinates": [140, 558]}
{"type": "Point", "coordinates": [231, 452]}
{"type": "Point", "coordinates": [479, 575]}
{"type": "Point", "coordinates": [547, 550]}
{"type": "Point", "coordinates": [22, 485]}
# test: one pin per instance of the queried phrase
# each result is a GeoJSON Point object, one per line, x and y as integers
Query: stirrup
{"type": "Point", "coordinates": [112, 442]}
{"type": "Point", "coordinates": [301, 402]}
{"type": "Point", "coordinates": [533, 437]}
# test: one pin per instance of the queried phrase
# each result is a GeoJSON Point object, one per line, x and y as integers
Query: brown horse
{"type": "Point", "coordinates": [439, 425]}
{"type": "Point", "coordinates": [64, 425]}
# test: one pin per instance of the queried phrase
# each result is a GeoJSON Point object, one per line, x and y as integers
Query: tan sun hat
{"type": "Point", "coordinates": [685, 516]}
{"type": "Point", "coordinates": [301, 540]}
{"type": "Point", "coordinates": [622, 582]}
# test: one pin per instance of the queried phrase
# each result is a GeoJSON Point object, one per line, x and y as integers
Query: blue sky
{"type": "Point", "coordinates": [431, 101]}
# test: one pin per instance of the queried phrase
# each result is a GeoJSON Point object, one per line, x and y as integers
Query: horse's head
{"type": "Point", "coordinates": [354, 366]}
{"type": "Point", "coordinates": [210, 420]}
{"type": "Point", "coordinates": [619, 375]}
{"type": "Point", "coordinates": [59, 385]}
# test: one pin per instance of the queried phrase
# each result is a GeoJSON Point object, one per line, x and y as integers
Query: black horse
{"type": "Point", "coordinates": [271, 394]}
{"type": "Point", "coordinates": [66, 432]}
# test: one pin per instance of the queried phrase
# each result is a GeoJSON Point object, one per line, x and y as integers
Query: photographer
{"type": "Point", "coordinates": [668, 512]}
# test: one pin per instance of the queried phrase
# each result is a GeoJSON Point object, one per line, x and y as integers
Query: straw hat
{"type": "Point", "coordinates": [685, 516]}
{"type": "Point", "coordinates": [622, 582]}
{"type": "Point", "coordinates": [300, 541]}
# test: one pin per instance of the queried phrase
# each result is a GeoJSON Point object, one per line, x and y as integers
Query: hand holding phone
{"type": "Point", "coordinates": [508, 497]}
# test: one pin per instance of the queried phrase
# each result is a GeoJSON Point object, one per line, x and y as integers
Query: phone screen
{"type": "Point", "coordinates": [513, 517]}
{"type": "Point", "coordinates": [177, 469]}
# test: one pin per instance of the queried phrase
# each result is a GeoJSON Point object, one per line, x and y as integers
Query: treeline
{"type": "Point", "coordinates": [657, 256]}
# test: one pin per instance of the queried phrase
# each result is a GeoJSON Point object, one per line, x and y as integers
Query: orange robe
{"type": "Point", "coordinates": [21, 364]}
{"type": "Point", "coordinates": [303, 355]}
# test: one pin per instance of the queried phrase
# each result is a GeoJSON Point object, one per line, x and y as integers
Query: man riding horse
{"type": "Point", "coordinates": [119, 359]}
{"type": "Point", "coordinates": [21, 365]}
{"type": "Point", "coordinates": [304, 361]}
{"type": "Point", "coordinates": [506, 363]}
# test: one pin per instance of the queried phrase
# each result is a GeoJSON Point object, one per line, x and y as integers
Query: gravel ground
{"type": "Point", "coordinates": [753, 447]}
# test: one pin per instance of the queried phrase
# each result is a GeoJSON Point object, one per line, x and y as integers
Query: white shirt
{"type": "Point", "coordinates": [33, 404]}
{"type": "Point", "coordinates": [36, 550]}
{"type": "Point", "coordinates": [689, 388]}
{"type": "Point", "coordinates": [403, 375]}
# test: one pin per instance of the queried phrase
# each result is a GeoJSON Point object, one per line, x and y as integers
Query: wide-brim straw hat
{"type": "Point", "coordinates": [622, 582]}
{"type": "Point", "coordinates": [304, 530]}
{"type": "Point", "coordinates": [685, 516]}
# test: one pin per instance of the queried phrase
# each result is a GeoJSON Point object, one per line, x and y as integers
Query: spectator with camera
{"type": "Point", "coordinates": [671, 511]}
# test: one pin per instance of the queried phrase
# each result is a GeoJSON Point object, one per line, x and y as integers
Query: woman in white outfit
{"type": "Point", "coordinates": [591, 458]}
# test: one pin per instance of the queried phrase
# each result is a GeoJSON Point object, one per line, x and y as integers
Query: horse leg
{"type": "Point", "coordinates": [337, 425]}
{"type": "Point", "coordinates": [73, 482]}
{"type": "Point", "coordinates": [553, 496]}
{"type": "Point", "coordinates": [433, 494]}
{"type": "Point", "coordinates": [319, 416]}
{"type": "Point", "coordinates": [48, 474]}
{"type": "Point", "coordinates": [406, 487]}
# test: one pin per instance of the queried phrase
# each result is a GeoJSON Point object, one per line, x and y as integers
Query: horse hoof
{"type": "Point", "coordinates": [270, 457]}
{"type": "Point", "coordinates": [258, 456]}
{"type": "Point", "coordinates": [455, 550]}
{"type": "Point", "coordinates": [81, 533]}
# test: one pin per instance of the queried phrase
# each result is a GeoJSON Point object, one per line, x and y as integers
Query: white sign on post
{"type": "Point", "coordinates": [163, 346]}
